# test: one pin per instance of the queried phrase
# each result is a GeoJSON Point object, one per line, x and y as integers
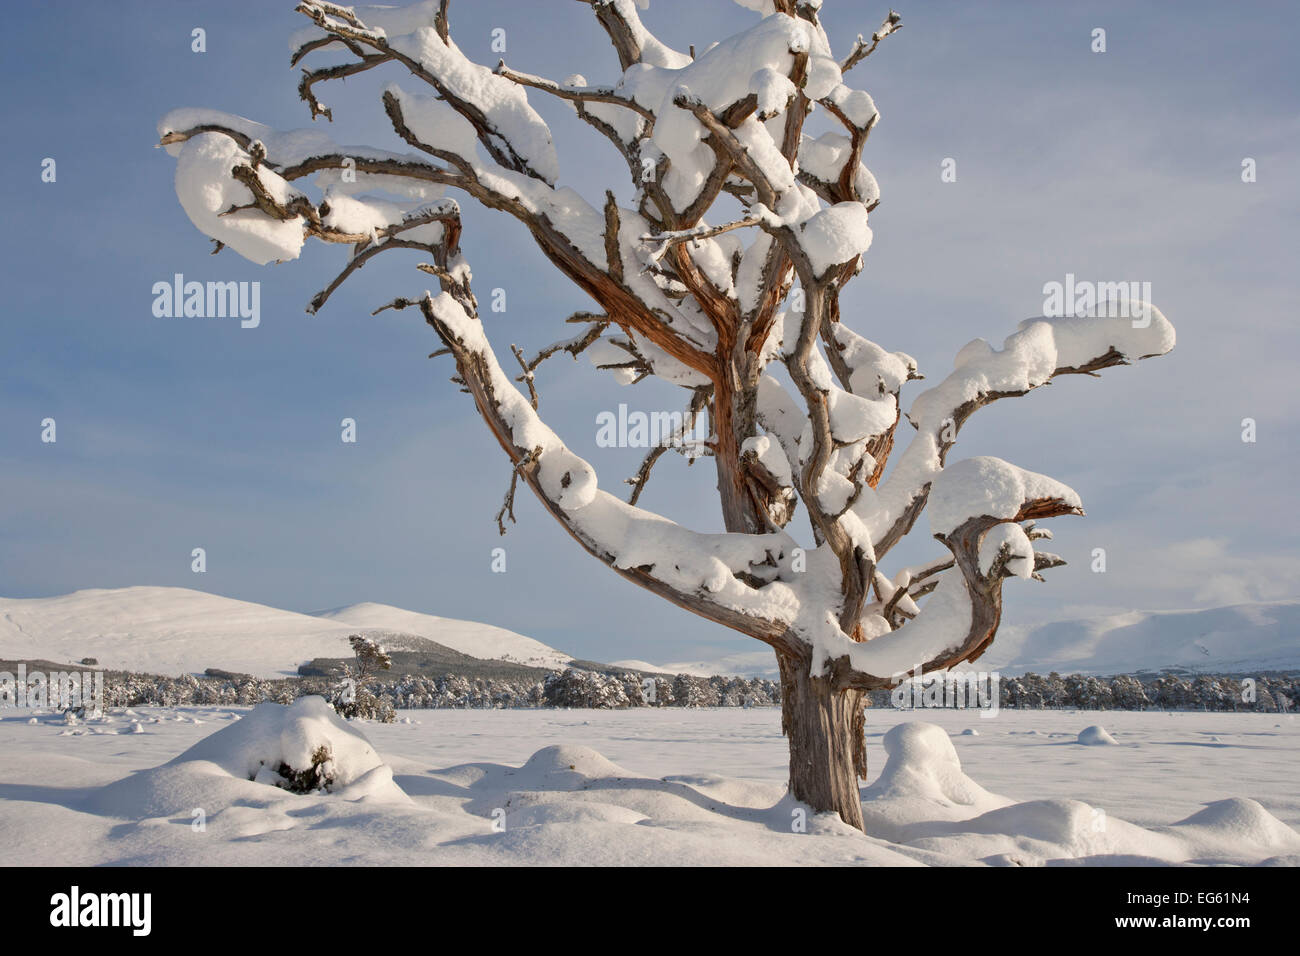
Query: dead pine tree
{"type": "Point", "coordinates": [722, 275]}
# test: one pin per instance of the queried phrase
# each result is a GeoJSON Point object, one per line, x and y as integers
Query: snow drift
{"type": "Point", "coordinates": [257, 761]}
{"type": "Point", "coordinates": [570, 804]}
{"type": "Point", "coordinates": [924, 801]}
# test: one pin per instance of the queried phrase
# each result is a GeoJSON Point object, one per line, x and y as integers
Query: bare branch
{"type": "Point", "coordinates": [311, 77]}
{"type": "Point", "coordinates": [508, 505]}
{"type": "Point", "coordinates": [862, 50]}
{"type": "Point", "coordinates": [440, 22]}
{"type": "Point", "coordinates": [574, 346]}
{"type": "Point", "coordinates": [667, 239]}
{"type": "Point", "coordinates": [526, 378]}
{"type": "Point", "coordinates": [382, 240]}
{"type": "Point", "coordinates": [699, 401]}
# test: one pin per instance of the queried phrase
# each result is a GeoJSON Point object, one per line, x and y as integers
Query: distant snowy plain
{"type": "Point", "coordinates": [647, 786]}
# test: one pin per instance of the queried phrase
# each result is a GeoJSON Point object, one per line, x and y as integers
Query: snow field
{"type": "Point", "coordinates": [645, 787]}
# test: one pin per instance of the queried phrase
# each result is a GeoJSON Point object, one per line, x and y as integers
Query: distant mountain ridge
{"type": "Point", "coordinates": [1237, 639]}
{"type": "Point", "coordinates": [743, 664]}
{"type": "Point", "coordinates": [174, 631]}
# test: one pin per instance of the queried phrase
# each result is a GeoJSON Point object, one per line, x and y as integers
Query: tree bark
{"type": "Point", "coordinates": [732, 414]}
{"type": "Point", "coordinates": [825, 729]}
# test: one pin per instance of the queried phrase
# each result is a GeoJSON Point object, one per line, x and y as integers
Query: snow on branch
{"type": "Point", "coordinates": [573, 93]}
{"type": "Point", "coordinates": [631, 40]}
{"type": "Point", "coordinates": [961, 616]}
{"type": "Point", "coordinates": [862, 49]}
{"type": "Point", "coordinates": [511, 131]}
{"type": "Point", "coordinates": [993, 488]}
{"type": "Point", "coordinates": [1041, 350]}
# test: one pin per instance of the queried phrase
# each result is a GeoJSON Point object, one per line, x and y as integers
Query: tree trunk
{"type": "Point", "coordinates": [827, 748]}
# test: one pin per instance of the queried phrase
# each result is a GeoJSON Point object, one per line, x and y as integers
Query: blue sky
{"type": "Point", "coordinates": [183, 433]}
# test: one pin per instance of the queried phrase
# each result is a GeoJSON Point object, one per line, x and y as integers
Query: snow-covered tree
{"type": "Point", "coordinates": [720, 272]}
{"type": "Point", "coordinates": [352, 697]}
{"type": "Point", "coordinates": [371, 658]}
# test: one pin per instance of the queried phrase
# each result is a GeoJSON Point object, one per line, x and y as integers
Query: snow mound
{"type": "Point", "coordinates": [570, 805]}
{"type": "Point", "coordinates": [922, 781]}
{"type": "Point", "coordinates": [272, 735]}
{"type": "Point", "coordinates": [1235, 831]}
{"type": "Point", "coordinates": [543, 814]}
{"type": "Point", "coordinates": [1236, 827]}
{"type": "Point", "coordinates": [272, 750]}
{"type": "Point", "coordinates": [925, 803]}
{"type": "Point", "coordinates": [1096, 736]}
{"type": "Point", "coordinates": [566, 767]}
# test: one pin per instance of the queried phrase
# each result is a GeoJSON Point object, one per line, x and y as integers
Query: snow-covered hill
{"type": "Point", "coordinates": [1237, 639]}
{"type": "Point", "coordinates": [166, 631]}
{"type": "Point", "coordinates": [760, 663]}
{"type": "Point", "coordinates": [163, 630]}
{"type": "Point", "coordinates": [177, 630]}
{"type": "Point", "coordinates": [469, 637]}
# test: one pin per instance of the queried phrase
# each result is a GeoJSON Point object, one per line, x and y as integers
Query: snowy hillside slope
{"type": "Point", "coordinates": [1237, 639]}
{"type": "Point", "coordinates": [477, 640]}
{"type": "Point", "coordinates": [165, 630]}
{"type": "Point", "coordinates": [744, 664]}
{"type": "Point", "coordinates": [162, 630]}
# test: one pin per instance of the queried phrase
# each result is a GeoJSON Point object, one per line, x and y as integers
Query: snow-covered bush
{"type": "Point", "coordinates": [305, 747]}
{"type": "Point", "coordinates": [318, 775]}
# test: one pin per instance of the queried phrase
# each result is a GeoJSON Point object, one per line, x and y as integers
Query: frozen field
{"type": "Point", "coordinates": [651, 786]}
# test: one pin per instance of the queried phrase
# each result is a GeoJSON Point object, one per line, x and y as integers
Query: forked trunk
{"type": "Point", "coordinates": [827, 748]}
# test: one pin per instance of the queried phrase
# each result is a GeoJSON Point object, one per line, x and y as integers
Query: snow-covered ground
{"type": "Point", "coordinates": [644, 786]}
